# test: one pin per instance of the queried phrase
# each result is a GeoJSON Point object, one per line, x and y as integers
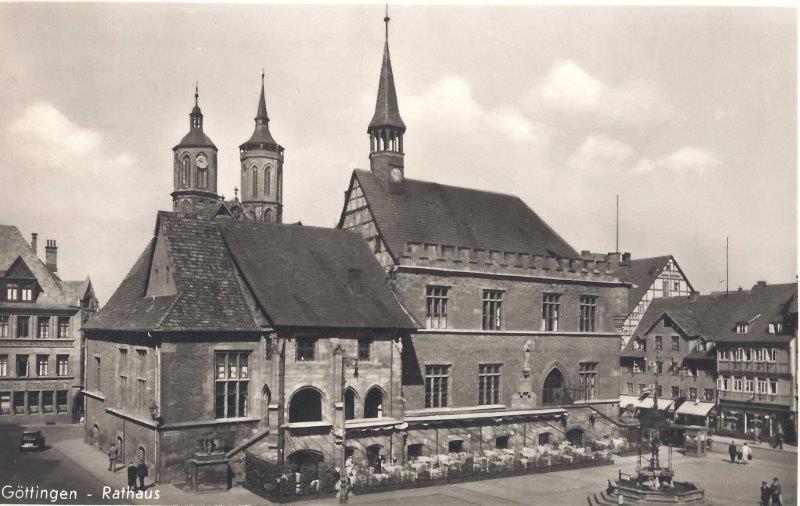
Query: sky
{"type": "Point", "coordinates": [687, 113]}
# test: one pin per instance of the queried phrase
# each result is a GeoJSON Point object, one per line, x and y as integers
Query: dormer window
{"type": "Point", "coordinates": [12, 291]}
{"type": "Point", "coordinates": [19, 291]}
{"type": "Point", "coordinates": [742, 327]}
{"type": "Point", "coordinates": [26, 293]}
{"type": "Point", "coordinates": [775, 328]}
{"type": "Point", "coordinates": [701, 345]}
{"type": "Point", "coordinates": [639, 344]}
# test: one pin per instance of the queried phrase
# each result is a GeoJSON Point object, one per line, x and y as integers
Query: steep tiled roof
{"type": "Point", "coordinates": [298, 275]}
{"type": "Point", "coordinates": [302, 276]}
{"type": "Point", "coordinates": [15, 251]}
{"type": "Point", "coordinates": [76, 290]}
{"type": "Point", "coordinates": [433, 213]}
{"type": "Point", "coordinates": [386, 110]}
{"type": "Point", "coordinates": [715, 316]}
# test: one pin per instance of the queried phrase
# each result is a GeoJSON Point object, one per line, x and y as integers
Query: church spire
{"type": "Point", "coordinates": [387, 113]}
{"type": "Point", "coordinates": [261, 115]}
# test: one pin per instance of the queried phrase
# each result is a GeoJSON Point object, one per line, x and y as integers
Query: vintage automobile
{"type": "Point", "coordinates": [31, 440]}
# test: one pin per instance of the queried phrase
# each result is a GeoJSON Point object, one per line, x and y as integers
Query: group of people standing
{"type": "Point", "coordinates": [138, 471]}
{"type": "Point", "coordinates": [742, 454]}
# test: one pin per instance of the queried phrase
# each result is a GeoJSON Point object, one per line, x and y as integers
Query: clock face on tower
{"type": "Point", "coordinates": [202, 161]}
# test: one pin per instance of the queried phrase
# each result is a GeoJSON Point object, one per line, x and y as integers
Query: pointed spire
{"type": "Point", "coordinates": [387, 113]}
{"type": "Point", "coordinates": [262, 103]}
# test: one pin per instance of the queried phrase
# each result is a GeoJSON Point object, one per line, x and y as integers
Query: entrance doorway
{"type": "Point", "coordinates": [575, 437]}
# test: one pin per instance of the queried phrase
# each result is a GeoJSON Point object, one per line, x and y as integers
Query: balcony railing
{"type": "Point", "coordinates": [755, 397]}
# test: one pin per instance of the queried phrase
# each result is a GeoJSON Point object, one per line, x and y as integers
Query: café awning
{"type": "Point", "coordinates": [695, 408]}
{"type": "Point", "coordinates": [645, 403]}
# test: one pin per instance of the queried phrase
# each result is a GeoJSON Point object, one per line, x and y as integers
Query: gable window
{"type": "Point", "coordinates": [742, 327]}
{"type": "Point", "coordinates": [306, 347]}
{"type": "Point", "coordinates": [436, 307]}
{"type": "Point", "coordinates": [364, 348]}
{"type": "Point", "coordinates": [4, 326]}
{"type": "Point", "coordinates": [588, 376]}
{"type": "Point", "coordinates": [437, 378]}
{"type": "Point", "coordinates": [42, 362]}
{"type": "Point", "coordinates": [62, 365]}
{"type": "Point", "coordinates": [551, 306]}
{"type": "Point", "coordinates": [12, 291]}
{"type": "Point", "coordinates": [588, 312]}
{"type": "Point", "coordinates": [22, 326]}
{"type": "Point", "coordinates": [22, 366]}
{"type": "Point", "coordinates": [659, 343]}
{"type": "Point", "coordinates": [231, 384]}
{"type": "Point", "coordinates": [44, 327]}
{"type": "Point", "coordinates": [63, 327]}
{"type": "Point", "coordinates": [26, 293]}
{"type": "Point", "coordinates": [488, 384]}
{"type": "Point", "coordinates": [701, 345]}
{"type": "Point", "coordinates": [492, 309]}
{"type": "Point", "coordinates": [676, 343]}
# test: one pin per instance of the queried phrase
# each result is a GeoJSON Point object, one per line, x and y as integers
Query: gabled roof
{"type": "Point", "coordinates": [642, 273]}
{"type": "Point", "coordinates": [298, 276]}
{"type": "Point", "coordinates": [714, 316]}
{"type": "Point", "coordinates": [77, 290]}
{"type": "Point", "coordinates": [433, 213]}
{"type": "Point", "coordinates": [17, 258]}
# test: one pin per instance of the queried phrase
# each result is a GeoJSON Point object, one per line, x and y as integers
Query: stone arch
{"type": "Point", "coordinates": [350, 401]}
{"type": "Point", "coordinates": [554, 386]}
{"type": "Point", "coordinates": [575, 436]}
{"type": "Point", "coordinates": [374, 402]}
{"type": "Point", "coordinates": [301, 457]}
{"type": "Point", "coordinates": [305, 405]}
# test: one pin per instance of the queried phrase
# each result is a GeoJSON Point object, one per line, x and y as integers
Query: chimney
{"type": "Point", "coordinates": [626, 259]}
{"type": "Point", "coordinates": [761, 283]}
{"type": "Point", "coordinates": [34, 243]}
{"type": "Point", "coordinates": [51, 255]}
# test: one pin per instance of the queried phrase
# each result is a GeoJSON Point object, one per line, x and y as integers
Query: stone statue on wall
{"type": "Point", "coordinates": [525, 396]}
{"type": "Point", "coordinates": [526, 366]}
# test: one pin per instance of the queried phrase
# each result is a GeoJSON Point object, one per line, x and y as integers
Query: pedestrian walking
{"type": "Point", "coordinates": [732, 451]}
{"type": "Point", "coordinates": [765, 493]}
{"type": "Point", "coordinates": [780, 438]}
{"type": "Point", "coordinates": [776, 493]}
{"type": "Point", "coordinates": [747, 453]}
{"type": "Point", "coordinates": [739, 453]}
{"type": "Point", "coordinates": [141, 473]}
{"type": "Point", "coordinates": [131, 476]}
{"type": "Point", "coordinates": [113, 455]}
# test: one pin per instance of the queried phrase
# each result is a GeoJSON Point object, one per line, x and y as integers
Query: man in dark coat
{"type": "Point", "coordinates": [765, 493]}
{"type": "Point", "coordinates": [776, 492]}
{"type": "Point", "coordinates": [732, 451]}
{"type": "Point", "coordinates": [131, 475]}
{"type": "Point", "coordinates": [141, 473]}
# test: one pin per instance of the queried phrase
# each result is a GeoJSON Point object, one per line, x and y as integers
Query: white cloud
{"type": "Point", "coordinates": [448, 104]}
{"type": "Point", "coordinates": [686, 159]}
{"type": "Point", "coordinates": [601, 153]}
{"type": "Point", "coordinates": [570, 90]}
{"type": "Point", "coordinates": [45, 123]}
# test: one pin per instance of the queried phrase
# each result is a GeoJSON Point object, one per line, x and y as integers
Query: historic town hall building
{"type": "Point", "coordinates": [463, 321]}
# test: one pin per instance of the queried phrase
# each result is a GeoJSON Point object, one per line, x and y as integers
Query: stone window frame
{"type": "Point", "coordinates": [492, 309]}
{"type": "Point", "coordinates": [490, 378]}
{"type": "Point", "coordinates": [437, 385]}
{"type": "Point", "coordinates": [235, 383]}
{"type": "Point", "coordinates": [588, 312]}
{"type": "Point", "coordinates": [551, 311]}
{"type": "Point", "coordinates": [436, 301]}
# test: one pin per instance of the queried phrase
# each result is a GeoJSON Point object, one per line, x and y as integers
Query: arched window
{"type": "Point", "coordinates": [349, 404]}
{"type": "Point", "coordinates": [185, 171]}
{"type": "Point", "coordinates": [268, 215]}
{"type": "Point", "coordinates": [373, 403]}
{"type": "Point", "coordinates": [255, 181]}
{"type": "Point", "coordinates": [202, 177]}
{"type": "Point", "coordinates": [305, 406]}
{"type": "Point", "coordinates": [267, 182]}
{"type": "Point", "coordinates": [554, 387]}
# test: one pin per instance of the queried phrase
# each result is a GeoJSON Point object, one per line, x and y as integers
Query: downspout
{"type": "Point", "coordinates": [156, 432]}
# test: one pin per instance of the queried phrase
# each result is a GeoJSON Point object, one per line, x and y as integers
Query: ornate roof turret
{"type": "Point", "coordinates": [196, 137]}
{"type": "Point", "coordinates": [387, 114]}
{"type": "Point", "coordinates": [261, 138]}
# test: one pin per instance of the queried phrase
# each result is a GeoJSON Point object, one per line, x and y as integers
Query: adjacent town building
{"type": "Point", "coordinates": [518, 334]}
{"type": "Point", "coordinates": [651, 278]}
{"type": "Point", "coordinates": [41, 315]}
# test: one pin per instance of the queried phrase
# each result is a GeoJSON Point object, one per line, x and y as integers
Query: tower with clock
{"type": "Point", "coordinates": [262, 170]}
{"type": "Point", "coordinates": [195, 167]}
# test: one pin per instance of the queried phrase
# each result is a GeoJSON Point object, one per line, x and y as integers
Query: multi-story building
{"type": "Point", "coordinates": [651, 278]}
{"type": "Point", "coordinates": [518, 337]}
{"type": "Point", "coordinates": [669, 358]}
{"type": "Point", "coordinates": [40, 333]}
{"type": "Point", "coordinates": [752, 337]}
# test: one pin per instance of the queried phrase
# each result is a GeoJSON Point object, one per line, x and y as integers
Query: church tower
{"type": "Point", "coordinates": [195, 167]}
{"type": "Point", "coordinates": [262, 170]}
{"type": "Point", "coordinates": [386, 128]}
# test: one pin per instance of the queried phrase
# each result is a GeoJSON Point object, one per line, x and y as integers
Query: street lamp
{"type": "Point", "coordinates": [346, 362]}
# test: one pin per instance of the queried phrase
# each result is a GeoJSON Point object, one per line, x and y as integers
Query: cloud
{"type": "Point", "coordinates": [684, 160]}
{"type": "Point", "coordinates": [448, 104]}
{"type": "Point", "coordinates": [570, 90]}
{"type": "Point", "coordinates": [601, 153]}
{"type": "Point", "coordinates": [84, 190]}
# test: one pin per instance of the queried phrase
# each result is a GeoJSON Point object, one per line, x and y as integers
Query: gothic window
{"type": "Point", "coordinates": [202, 177]}
{"type": "Point", "coordinates": [185, 171]}
{"type": "Point", "coordinates": [255, 181]}
{"type": "Point", "coordinates": [267, 175]}
{"type": "Point", "coordinates": [554, 387]}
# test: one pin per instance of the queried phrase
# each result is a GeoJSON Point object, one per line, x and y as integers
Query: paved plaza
{"type": "Point", "coordinates": [70, 463]}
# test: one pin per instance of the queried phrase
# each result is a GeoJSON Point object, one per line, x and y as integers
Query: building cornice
{"type": "Point", "coordinates": [421, 269]}
{"type": "Point", "coordinates": [515, 333]}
